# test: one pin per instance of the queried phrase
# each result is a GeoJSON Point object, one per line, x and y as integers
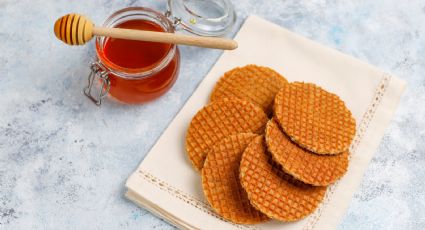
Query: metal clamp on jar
{"type": "Point", "coordinates": [135, 72]}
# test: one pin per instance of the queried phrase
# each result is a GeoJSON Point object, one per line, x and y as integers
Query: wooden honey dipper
{"type": "Point", "coordinates": [75, 29]}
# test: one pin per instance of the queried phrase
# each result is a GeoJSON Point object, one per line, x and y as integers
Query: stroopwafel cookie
{"type": "Point", "coordinates": [254, 83]}
{"type": "Point", "coordinates": [314, 118]}
{"type": "Point", "coordinates": [219, 120]}
{"type": "Point", "coordinates": [273, 192]}
{"type": "Point", "coordinates": [308, 167]}
{"type": "Point", "coordinates": [220, 180]}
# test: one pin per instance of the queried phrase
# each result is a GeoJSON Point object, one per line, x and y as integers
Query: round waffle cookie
{"type": "Point", "coordinates": [310, 168]}
{"type": "Point", "coordinates": [220, 180]}
{"type": "Point", "coordinates": [314, 118]}
{"type": "Point", "coordinates": [219, 120]}
{"type": "Point", "coordinates": [257, 84]}
{"type": "Point", "coordinates": [273, 192]}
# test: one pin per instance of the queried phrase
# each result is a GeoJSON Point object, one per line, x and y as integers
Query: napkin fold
{"type": "Point", "coordinates": [165, 182]}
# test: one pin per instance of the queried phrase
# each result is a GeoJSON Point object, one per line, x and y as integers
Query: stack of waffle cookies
{"type": "Point", "coordinates": [267, 148]}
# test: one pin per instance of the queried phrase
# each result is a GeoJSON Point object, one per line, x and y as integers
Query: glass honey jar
{"type": "Point", "coordinates": [135, 72]}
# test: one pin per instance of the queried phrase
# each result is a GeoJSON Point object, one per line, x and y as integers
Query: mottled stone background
{"type": "Point", "coordinates": [64, 161]}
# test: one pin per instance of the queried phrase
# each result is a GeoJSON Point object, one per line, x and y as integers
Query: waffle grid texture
{"type": "Point", "coordinates": [273, 192]}
{"type": "Point", "coordinates": [220, 181]}
{"type": "Point", "coordinates": [314, 118]}
{"type": "Point", "coordinates": [306, 166]}
{"type": "Point", "coordinates": [218, 120]}
{"type": "Point", "coordinates": [254, 83]}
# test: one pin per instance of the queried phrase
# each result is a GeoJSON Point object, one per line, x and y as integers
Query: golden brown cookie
{"type": "Point", "coordinates": [308, 167]}
{"type": "Point", "coordinates": [220, 180]}
{"type": "Point", "coordinates": [219, 120]}
{"type": "Point", "coordinates": [254, 83]}
{"type": "Point", "coordinates": [273, 192]}
{"type": "Point", "coordinates": [314, 118]}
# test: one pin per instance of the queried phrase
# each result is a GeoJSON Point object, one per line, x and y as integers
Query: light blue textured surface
{"type": "Point", "coordinates": [64, 161]}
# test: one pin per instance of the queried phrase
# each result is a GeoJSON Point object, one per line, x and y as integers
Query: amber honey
{"type": "Point", "coordinates": [136, 54]}
{"type": "Point", "coordinates": [139, 71]}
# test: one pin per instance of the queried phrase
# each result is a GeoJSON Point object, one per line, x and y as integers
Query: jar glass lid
{"type": "Point", "coordinates": [203, 17]}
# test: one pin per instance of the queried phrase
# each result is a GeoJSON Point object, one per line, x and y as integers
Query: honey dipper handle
{"type": "Point", "coordinates": [151, 36]}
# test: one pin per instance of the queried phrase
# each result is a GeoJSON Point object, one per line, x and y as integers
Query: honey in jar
{"type": "Point", "coordinates": [138, 71]}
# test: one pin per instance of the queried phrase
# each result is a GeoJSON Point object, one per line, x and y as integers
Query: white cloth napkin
{"type": "Point", "coordinates": [165, 182]}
